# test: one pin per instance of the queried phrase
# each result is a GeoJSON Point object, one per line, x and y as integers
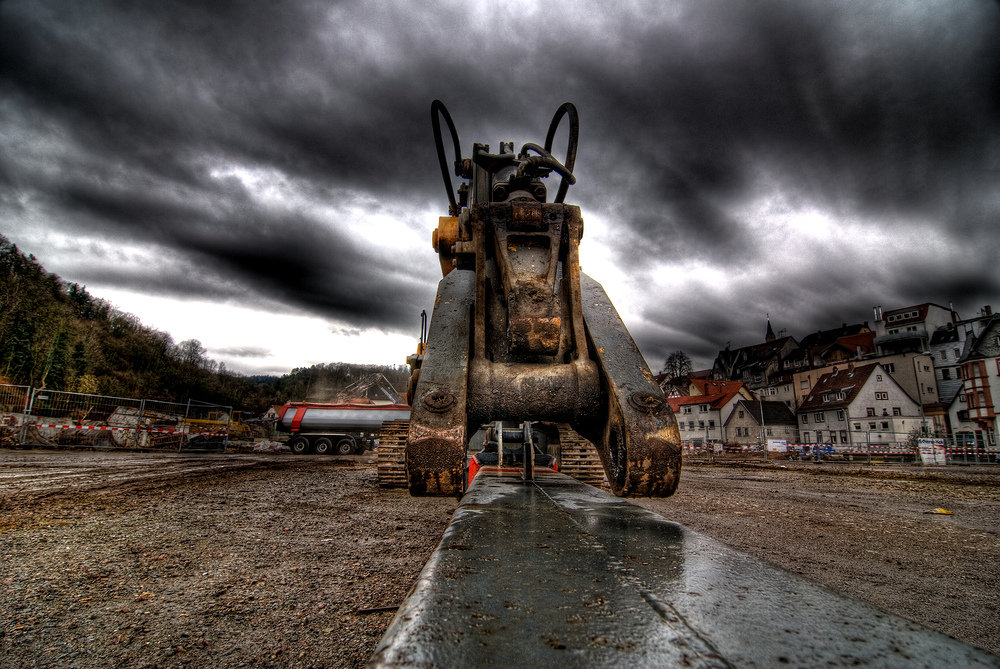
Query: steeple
{"type": "Point", "coordinates": [769, 337]}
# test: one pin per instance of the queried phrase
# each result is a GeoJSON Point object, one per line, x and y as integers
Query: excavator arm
{"type": "Point", "coordinates": [519, 333]}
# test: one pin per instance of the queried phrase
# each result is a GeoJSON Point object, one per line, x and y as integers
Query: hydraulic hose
{"type": "Point", "coordinates": [574, 139]}
{"type": "Point", "coordinates": [438, 108]}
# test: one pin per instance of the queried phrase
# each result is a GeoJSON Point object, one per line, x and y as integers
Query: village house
{"type": "Point", "coordinates": [858, 406]}
{"type": "Point", "coordinates": [702, 414]}
{"type": "Point", "coordinates": [743, 427]}
{"type": "Point", "coordinates": [973, 411]}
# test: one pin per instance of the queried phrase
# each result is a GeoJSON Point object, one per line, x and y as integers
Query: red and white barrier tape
{"type": "Point", "coordinates": [156, 430]}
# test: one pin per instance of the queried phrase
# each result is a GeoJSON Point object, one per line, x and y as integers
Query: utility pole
{"type": "Point", "coordinates": [763, 440]}
{"type": "Point", "coordinates": [920, 401]}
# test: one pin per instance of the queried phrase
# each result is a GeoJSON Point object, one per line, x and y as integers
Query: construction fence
{"type": "Point", "coordinates": [55, 419]}
{"type": "Point", "coordinates": [959, 449]}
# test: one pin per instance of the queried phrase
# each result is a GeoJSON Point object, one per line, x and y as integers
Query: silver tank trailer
{"type": "Point", "coordinates": [336, 428]}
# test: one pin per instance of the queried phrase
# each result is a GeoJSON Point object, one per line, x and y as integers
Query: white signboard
{"type": "Point", "coordinates": [777, 445]}
{"type": "Point", "coordinates": [931, 451]}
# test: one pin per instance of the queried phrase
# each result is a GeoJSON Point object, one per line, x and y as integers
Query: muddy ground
{"type": "Point", "coordinates": [166, 560]}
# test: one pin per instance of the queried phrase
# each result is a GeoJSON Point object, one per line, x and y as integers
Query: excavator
{"type": "Point", "coordinates": [518, 333]}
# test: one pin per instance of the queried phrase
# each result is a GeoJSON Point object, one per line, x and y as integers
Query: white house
{"type": "Point", "coordinates": [859, 406]}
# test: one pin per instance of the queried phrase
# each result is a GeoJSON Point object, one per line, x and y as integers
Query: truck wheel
{"type": "Point", "coordinates": [299, 446]}
{"type": "Point", "coordinates": [345, 446]}
{"type": "Point", "coordinates": [323, 446]}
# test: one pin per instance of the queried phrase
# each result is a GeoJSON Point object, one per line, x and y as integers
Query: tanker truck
{"type": "Point", "coordinates": [343, 428]}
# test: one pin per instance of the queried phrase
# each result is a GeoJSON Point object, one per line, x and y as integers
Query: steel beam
{"type": "Point", "coordinates": [557, 573]}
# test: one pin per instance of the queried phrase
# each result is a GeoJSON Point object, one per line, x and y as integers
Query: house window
{"type": "Point", "coordinates": [711, 424]}
{"type": "Point", "coordinates": [741, 413]}
{"type": "Point", "coordinates": [871, 426]}
{"type": "Point", "coordinates": [701, 424]}
{"type": "Point", "coordinates": [944, 355]}
{"type": "Point", "coordinates": [690, 424]}
{"type": "Point", "coordinates": [870, 411]}
{"type": "Point", "coordinates": [958, 354]}
{"type": "Point", "coordinates": [896, 411]}
{"type": "Point", "coordinates": [890, 367]}
{"type": "Point", "coordinates": [687, 409]}
{"type": "Point", "coordinates": [804, 384]}
{"type": "Point", "coordinates": [840, 414]}
{"type": "Point", "coordinates": [857, 426]}
{"type": "Point", "coordinates": [833, 437]}
{"type": "Point", "coordinates": [930, 390]}
{"type": "Point", "coordinates": [805, 419]}
{"type": "Point", "coordinates": [878, 377]}
{"type": "Point", "coordinates": [770, 432]}
{"type": "Point", "coordinates": [702, 408]}
{"type": "Point", "coordinates": [819, 417]}
{"type": "Point", "coordinates": [885, 425]}
{"type": "Point", "coordinates": [946, 373]}
{"type": "Point", "coordinates": [843, 436]}
{"type": "Point", "coordinates": [881, 396]}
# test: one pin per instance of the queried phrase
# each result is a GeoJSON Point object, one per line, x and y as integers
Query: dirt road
{"type": "Point", "coordinates": [132, 560]}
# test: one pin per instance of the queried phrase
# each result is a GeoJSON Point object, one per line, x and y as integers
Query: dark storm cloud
{"type": "Point", "coordinates": [290, 259]}
{"type": "Point", "coordinates": [118, 119]}
{"type": "Point", "coordinates": [892, 123]}
{"type": "Point", "coordinates": [243, 351]}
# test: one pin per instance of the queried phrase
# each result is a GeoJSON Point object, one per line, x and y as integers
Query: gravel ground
{"type": "Point", "coordinates": [132, 560]}
{"type": "Point", "coordinates": [271, 564]}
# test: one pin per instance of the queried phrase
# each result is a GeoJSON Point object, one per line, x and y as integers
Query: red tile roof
{"type": "Point", "coordinates": [719, 394]}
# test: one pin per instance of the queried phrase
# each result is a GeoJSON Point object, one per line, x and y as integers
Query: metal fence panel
{"type": "Point", "coordinates": [55, 418]}
{"type": "Point", "coordinates": [207, 426]}
{"type": "Point", "coordinates": [13, 405]}
{"type": "Point", "coordinates": [60, 418]}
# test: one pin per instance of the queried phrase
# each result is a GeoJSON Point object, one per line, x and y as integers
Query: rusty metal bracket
{"type": "Point", "coordinates": [435, 447]}
{"type": "Point", "coordinates": [636, 434]}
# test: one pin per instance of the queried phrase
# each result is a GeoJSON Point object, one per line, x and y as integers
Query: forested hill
{"type": "Point", "coordinates": [56, 335]}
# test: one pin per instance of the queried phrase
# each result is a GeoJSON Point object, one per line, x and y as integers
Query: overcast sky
{"type": "Point", "coordinates": [261, 176]}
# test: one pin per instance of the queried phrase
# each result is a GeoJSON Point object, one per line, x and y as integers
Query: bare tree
{"type": "Point", "coordinates": [678, 364]}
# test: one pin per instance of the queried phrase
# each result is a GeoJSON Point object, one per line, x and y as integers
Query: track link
{"type": "Point", "coordinates": [391, 454]}
{"type": "Point", "coordinates": [578, 458]}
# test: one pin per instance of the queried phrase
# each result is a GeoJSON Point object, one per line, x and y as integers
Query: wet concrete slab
{"type": "Point", "coordinates": [560, 574]}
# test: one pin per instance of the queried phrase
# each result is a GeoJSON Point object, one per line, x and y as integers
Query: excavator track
{"type": "Point", "coordinates": [391, 454]}
{"type": "Point", "coordinates": [578, 458]}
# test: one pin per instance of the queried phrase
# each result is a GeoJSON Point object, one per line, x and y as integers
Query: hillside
{"type": "Point", "coordinates": [56, 335]}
